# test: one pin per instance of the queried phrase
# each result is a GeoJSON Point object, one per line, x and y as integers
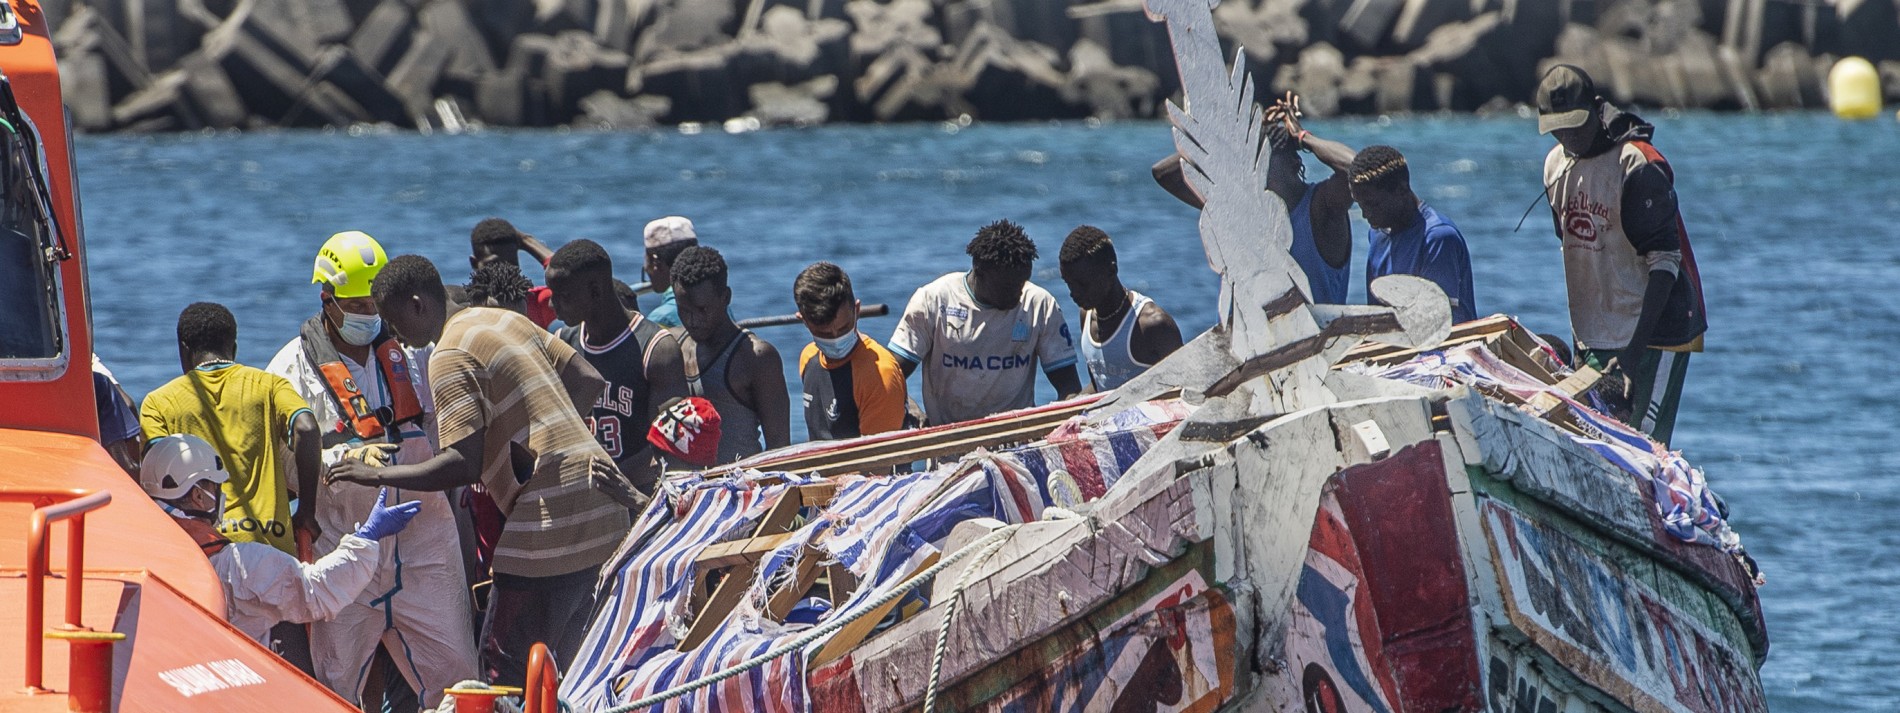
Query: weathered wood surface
{"type": "Point", "coordinates": [900, 448]}
{"type": "Point", "coordinates": [1643, 635]}
{"type": "Point", "coordinates": [1251, 500]}
{"type": "Point", "coordinates": [1542, 462]}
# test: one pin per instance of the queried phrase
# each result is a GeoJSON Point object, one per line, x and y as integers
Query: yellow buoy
{"type": "Point", "coordinates": [1853, 89]}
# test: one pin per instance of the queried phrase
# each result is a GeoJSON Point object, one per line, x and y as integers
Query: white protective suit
{"type": "Point", "coordinates": [263, 586]}
{"type": "Point", "coordinates": [418, 603]}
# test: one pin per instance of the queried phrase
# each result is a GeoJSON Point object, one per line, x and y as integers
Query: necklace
{"type": "Point", "coordinates": [214, 362]}
{"type": "Point", "coordinates": [1126, 301]}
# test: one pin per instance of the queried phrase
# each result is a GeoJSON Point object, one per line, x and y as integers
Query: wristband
{"type": "Point", "coordinates": [1304, 134]}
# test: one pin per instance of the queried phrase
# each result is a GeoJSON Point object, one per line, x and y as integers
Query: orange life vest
{"type": "Point", "coordinates": [358, 419]}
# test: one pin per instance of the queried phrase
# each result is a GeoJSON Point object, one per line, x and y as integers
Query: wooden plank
{"type": "Point", "coordinates": [1578, 382]}
{"type": "Point", "coordinates": [779, 518]}
{"type": "Point", "coordinates": [730, 591]}
{"type": "Point", "coordinates": [818, 495]}
{"type": "Point", "coordinates": [736, 552]}
{"type": "Point", "coordinates": [853, 633]}
{"type": "Point", "coordinates": [924, 446]}
{"type": "Point", "coordinates": [781, 602]}
{"type": "Point", "coordinates": [957, 447]}
{"type": "Point", "coordinates": [914, 445]}
{"type": "Point", "coordinates": [1460, 334]}
{"type": "Point", "coordinates": [842, 583]}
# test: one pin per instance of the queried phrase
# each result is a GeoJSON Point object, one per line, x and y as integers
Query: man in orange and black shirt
{"type": "Point", "coordinates": [853, 385]}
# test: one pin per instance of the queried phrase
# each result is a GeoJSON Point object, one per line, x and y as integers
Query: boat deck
{"type": "Point", "coordinates": [143, 578]}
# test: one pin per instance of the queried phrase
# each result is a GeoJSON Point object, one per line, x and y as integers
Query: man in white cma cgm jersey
{"type": "Point", "coordinates": [980, 334]}
{"type": "Point", "coordinates": [371, 400]}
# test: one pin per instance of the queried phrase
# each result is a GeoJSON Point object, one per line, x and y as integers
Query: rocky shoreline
{"type": "Point", "coordinates": [181, 65]}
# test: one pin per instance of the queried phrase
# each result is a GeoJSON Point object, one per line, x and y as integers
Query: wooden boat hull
{"type": "Point", "coordinates": [1468, 567]}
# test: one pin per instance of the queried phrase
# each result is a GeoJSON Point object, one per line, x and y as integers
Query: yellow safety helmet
{"type": "Point", "coordinates": [349, 262]}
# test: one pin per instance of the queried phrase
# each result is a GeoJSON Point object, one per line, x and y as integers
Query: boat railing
{"type": "Point", "coordinates": [51, 506]}
{"type": "Point", "coordinates": [544, 680]}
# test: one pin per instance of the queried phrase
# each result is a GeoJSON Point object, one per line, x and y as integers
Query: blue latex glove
{"type": "Point", "coordinates": [384, 521]}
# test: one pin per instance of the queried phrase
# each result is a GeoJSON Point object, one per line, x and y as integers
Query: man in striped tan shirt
{"type": "Point", "coordinates": [509, 398]}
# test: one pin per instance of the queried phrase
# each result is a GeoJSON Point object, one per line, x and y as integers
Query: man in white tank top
{"type": "Point", "coordinates": [1123, 332]}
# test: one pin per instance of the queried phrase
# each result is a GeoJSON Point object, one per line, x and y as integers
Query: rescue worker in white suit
{"type": "Point", "coordinates": [371, 401]}
{"type": "Point", "coordinates": [262, 585]}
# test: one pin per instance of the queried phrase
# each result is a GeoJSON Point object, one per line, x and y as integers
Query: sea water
{"type": "Point", "coordinates": [1793, 216]}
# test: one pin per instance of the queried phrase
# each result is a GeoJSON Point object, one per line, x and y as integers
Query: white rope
{"type": "Point", "coordinates": [994, 538]}
{"type": "Point", "coordinates": [949, 615]}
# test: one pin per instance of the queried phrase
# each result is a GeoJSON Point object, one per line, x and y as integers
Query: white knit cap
{"type": "Point", "coordinates": [669, 230]}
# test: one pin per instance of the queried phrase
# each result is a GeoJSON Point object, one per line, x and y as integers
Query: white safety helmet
{"type": "Point", "coordinates": [175, 463]}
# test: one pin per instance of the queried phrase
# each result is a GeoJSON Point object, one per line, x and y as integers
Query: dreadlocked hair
{"type": "Point", "coordinates": [1002, 243]}
{"type": "Point", "coordinates": [497, 284]}
{"type": "Point", "coordinates": [1087, 242]}
{"type": "Point", "coordinates": [1380, 167]}
{"type": "Point", "coordinates": [699, 264]}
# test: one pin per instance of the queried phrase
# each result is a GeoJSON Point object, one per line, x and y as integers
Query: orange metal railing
{"type": "Point", "coordinates": [51, 506]}
{"type": "Point", "coordinates": [544, 682]}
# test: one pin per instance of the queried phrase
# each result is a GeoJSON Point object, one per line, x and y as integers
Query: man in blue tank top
{"type": "Point", "coordinates": [1406, 236]}
{"type": "Point", "coordinates": [1318, 212]}
{"type": "Point", "coordinates": [1123, 332]}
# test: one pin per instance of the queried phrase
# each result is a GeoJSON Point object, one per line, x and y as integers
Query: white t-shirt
{"type": "Point", "coordinates": [979, 361]}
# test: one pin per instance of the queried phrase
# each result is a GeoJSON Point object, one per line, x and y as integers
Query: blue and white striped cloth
{"type": "Point", "coordinates": [882, 528]}
{"type": "Point", "coordinates": [1688, 508]}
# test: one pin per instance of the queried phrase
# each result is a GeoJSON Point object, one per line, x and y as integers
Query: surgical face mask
{"type": "Point", "coordinates": [838, 347]}
{"type": "Point", "coordinates": [176, 508]}
{"type": "Point", "coordinates": [360, 329]}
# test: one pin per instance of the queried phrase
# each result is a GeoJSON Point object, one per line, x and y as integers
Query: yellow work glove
{"type": "Point", "coordinates": [375, 454]}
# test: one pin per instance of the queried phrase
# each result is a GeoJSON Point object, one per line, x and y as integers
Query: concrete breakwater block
{"type": "Point", "coordinates": [607, 110]}
{"type": "Point", "coordinates": [189, 64]}
{"type": "Point", "coordinates": [700, 84]}
{"type": "Point", "coordinates": [789, 49]}
{"type": "Point", "coordinates": [880, 28]}
{"type": "Point", "coordinates": [685, 26]}
{"type": "Point", "coordinates": [383, 36]}
{"type": "Point", "coordinates": [1109, 90]}
{"type": "Point", "coordinates": [1791, 78]}
{"type": "Point", "coordinates": [806, 104]}
{"type": "Point", "coordinates": [82, 83]}
{"type": "Point", "coordinates": [901, 85]}
{"type": "Point", "coordinates": [1001, 78]}
{"type": "Point", "coordinates": [365, 88]}
{"type": "Point", "coordinates": [577, 67]}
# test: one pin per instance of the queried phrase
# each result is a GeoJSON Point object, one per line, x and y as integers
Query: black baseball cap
{"type": "Point", "coordinates": [1564, 98]}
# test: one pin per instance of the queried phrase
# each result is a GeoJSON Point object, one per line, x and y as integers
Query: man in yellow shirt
{"type": "Point", "coordinates": [249, 415]}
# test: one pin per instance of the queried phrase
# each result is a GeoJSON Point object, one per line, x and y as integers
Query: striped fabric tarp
{"type": "Point", "coordinates": [648, 578]}
{"type": "Point", "coordinates": [882, 528]}
{"type": "Point", "coordinates": [1075, 464]}
{"type": "Point", "coordinates": [1689, 510]}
